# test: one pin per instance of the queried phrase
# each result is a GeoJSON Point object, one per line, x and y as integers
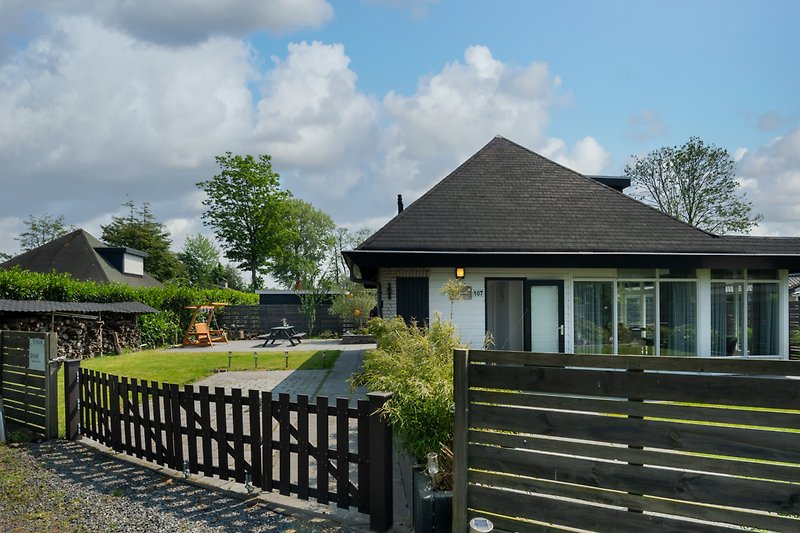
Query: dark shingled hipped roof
{"type": "Point", "coordinates": [76, 254]}
{"type": "Point", "coordinates": [45, 306]}
{"type": "Point", "coordinates": [507, 200]}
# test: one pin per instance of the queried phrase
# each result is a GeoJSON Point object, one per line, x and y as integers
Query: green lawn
{"type": "Point", "coordinates": [181, 367]}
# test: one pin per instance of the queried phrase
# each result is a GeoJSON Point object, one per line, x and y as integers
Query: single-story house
{"type": "Point", "coordinates": [556, 261]}
{"type": "Point", "coordinates": [86, 258]}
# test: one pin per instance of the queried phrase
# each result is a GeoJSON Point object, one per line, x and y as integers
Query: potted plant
{"type": "Point", "coordinates": [416, 364]}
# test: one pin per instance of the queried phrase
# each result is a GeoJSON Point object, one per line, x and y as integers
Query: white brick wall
{"type": "Point", "coordinates": [387, 277]}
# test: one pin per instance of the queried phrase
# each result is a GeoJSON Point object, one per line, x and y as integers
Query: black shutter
{"type": "Point", "coordinates": [412, 299]}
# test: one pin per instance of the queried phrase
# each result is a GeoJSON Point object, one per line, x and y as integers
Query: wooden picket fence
{"type": "Point", "coordinates": [624, 443]}
{"type": "Point", "coordinates": [231, 436]}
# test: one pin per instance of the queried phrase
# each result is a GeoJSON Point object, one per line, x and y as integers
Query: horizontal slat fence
{"type": "Point", "coordinates": [623, 443]}
{"type": "Point", "coordinates": [29, 395]}
{"type": "Point", "coordinates": [257, 319]}
{"type": "Point", "coordinates": [794, 327]}
{"type": "Point", "coordinates": [296, 447]}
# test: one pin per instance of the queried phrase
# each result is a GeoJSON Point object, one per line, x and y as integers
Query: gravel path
{"type": "Point", "coordinates": [63, 486]}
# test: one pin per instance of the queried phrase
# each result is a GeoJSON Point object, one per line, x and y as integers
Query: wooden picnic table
{"type": "Point", "coordinates": [282, 332]}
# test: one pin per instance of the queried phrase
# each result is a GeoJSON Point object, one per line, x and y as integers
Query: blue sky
{"type": "Point", "coordinates": [357, 101]}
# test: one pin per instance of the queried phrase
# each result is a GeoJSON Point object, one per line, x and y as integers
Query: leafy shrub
{"type": "Point", "coordinates": [160, 329]}
{"type": "Point", "coordinates": [354, 305]}
{"type": "Point", "coordinates": [416, 364]}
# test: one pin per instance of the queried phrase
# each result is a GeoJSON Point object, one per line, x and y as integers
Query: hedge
{"type": "Point", "coordinates": [17, 284]}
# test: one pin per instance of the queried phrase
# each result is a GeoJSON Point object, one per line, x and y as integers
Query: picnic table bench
{"type": "Point", "coordinates": [282, 332]}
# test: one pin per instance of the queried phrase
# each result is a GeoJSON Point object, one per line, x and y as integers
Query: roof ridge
{"type": "Point", "coordinates": [611, 188]}
{"type": "Point", "coordinates": [399, 216]}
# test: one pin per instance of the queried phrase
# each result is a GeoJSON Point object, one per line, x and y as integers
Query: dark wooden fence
{"type": "Point", "coordinates": [29, 391]}
{"type": "Point", "coordinates": [231, 436]}
{"type": "Point", "coordinates": [794, 326]}
{"type": "Point", "coordinates": [623, 443]}
{"type": "Point", "coordinates": [257, 319]}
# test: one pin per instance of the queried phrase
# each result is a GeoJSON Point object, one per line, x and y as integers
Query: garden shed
{"type": "Point", "coordinates": [84, 329]}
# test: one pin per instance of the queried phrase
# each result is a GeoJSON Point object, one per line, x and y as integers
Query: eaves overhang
{"type": "Point", "coordinates": [368, 261]}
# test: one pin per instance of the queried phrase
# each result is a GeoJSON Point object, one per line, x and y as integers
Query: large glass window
{"type": "Point", "coordinates": [594, 317]}
{"type": "Point", "coordinates": [727, 319]}
{"type": "Point", "coordinates": [762, 318]}
{"type": "Point", "coordinates": [621, 315]}
{"type": "Point", "coordinates": [745, 315]}
{"type": "Point", "coordinates": [636, 317]}
{"type": "Point", "coordinates": [678, 318]}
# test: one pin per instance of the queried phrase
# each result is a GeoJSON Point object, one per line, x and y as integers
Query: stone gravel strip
{"type": "Point", "coordinates": [91, 491]}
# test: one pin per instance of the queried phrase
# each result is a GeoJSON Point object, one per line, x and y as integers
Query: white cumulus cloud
{"type": "Point", "coordinates": [770, 176]}
{"type": "Point", "coordinates": [181, 22]}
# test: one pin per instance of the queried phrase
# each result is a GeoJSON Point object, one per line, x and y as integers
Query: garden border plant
{"type": "Point", "coordinates": [416, 364]}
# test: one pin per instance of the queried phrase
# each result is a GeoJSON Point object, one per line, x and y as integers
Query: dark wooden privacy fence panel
{"type": "Point", "coordinates": [29, 394]}
{"type": "Point", "coordinates": [794, 326]}
{"type": "Point", "coordinates": [308, 449]}
{"type": "Point", "coordinates": [619, 443]}
{"type": "Point", "coordinates": [257, 319]}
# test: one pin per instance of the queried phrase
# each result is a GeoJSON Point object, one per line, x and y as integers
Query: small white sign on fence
{"type": "Point", "coordinates": [36, 354]}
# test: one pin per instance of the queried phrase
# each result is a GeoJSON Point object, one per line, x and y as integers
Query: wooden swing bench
{"type": "Point", "coordinates": [200, 332]}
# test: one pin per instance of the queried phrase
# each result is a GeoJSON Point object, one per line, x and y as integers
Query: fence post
{"type": "Point", "coordinates": [72, 411]}
{"type": "Point", "coordinates": [460, 428]}
{"type": "Point", "coordinates": [51, 386]}
{"type": "Point", "coordinates": [380, 464]}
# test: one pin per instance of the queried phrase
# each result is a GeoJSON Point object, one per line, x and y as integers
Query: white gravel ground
{"type": "Point", "coordinates": [97, 493]}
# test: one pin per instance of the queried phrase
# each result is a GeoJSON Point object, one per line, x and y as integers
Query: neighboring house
{"type": "Point", "coordinates": [794, 287]}
{"type": "Point", "coordinates": [558, 262]}
{"type": "Point", "coordinates": [86, 258]}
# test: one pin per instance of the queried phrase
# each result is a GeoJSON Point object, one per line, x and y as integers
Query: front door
{"type": "Point", "coordinates": [412, 300]}
{"type": "Point", "coordinates": [546, 305]}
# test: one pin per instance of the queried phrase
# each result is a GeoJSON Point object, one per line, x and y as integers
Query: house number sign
{"type": "Point", "coordinates": [36, 354]}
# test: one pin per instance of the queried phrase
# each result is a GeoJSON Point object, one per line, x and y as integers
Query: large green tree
{"type": "Point", "coordinates": [233, 278]}
{"type": "Point", "coordinates": [41, 230]}
{"type": "Point", "coordinates": [141, 231]}
{"type": "Point", "coordinates": [694, 183]}
{"type": "Point", "coordinates": [246, 209]}
{"type": "Point", "coordinates": [201, 260]}
{"type": "Point", "coordinates": [344, 239]}
{"type": "Point", "coordinates": [301, 260]}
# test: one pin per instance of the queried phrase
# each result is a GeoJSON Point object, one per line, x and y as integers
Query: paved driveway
{"type": "Point", "coordinates": [331, 383]}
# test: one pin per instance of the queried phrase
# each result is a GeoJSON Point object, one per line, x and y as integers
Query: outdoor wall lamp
{"type": "Point", "coordinates": [460, 272]}
{"type": "Point", "coordinates": [389, 291]}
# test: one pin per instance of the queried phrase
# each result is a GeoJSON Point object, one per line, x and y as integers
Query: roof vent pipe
{"type": "Point", "coordinates": [399, 203]}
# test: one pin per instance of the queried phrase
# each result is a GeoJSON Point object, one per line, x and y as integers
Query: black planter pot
{"type": "Point", "coordinates": [349, 338]}
{"type": "Point", "coordinates": [432, 511]}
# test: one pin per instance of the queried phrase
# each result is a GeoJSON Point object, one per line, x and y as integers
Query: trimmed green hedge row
{"type": "Point", "coordinates": [17, 284]}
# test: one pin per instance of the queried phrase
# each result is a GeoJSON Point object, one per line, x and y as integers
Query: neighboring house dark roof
{"type": "Point", "coordinates": [507, 200]}
{"type": "Point", "coordinates": [794, 282]}
{"type": "Point", "coordinates": [45, 306]}
{"type": "Point", "coordinates": [77, 254]}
